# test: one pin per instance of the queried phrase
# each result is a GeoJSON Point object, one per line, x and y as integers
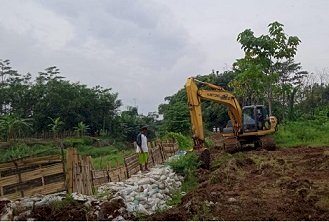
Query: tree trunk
{"type": "Point", "coordinates": [270, 100]}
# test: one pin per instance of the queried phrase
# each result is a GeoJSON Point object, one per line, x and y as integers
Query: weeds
{"type": "Point", "coordinates": [185, 165]}
{"type": "Point", "coordinates": [303, 133]}
{"type": "Point", "coordinates": [184, 142]}
{"type": "Point", "coordinates": [58, 205]}
{"type": "Point", "coordinates": [176, 198]}
{"type": "Point", "coordinates": [203, 213]}
{"type": "Point", "coordinates": [21, 150]}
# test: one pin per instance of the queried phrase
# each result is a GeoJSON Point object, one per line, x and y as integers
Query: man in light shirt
{"type": "Point", "coordinates": [142, 149]}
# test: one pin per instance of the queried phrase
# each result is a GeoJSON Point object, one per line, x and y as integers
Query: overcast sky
{"type": "Point", "coordinates": [145, 50]}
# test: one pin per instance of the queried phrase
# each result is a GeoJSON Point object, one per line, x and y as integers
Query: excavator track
{"type": "Point", "coordinates": [231, 145]}
{"type": "Point", "coordinates": [267, 143]}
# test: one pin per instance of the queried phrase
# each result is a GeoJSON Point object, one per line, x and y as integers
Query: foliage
{"type": "Point", "coordinates": [176, 117]}
{"type": "Point", "coordinates": [209, 142]}
{"type": "Point", "coordinates": [304, 132]}
{"type": "Point", "coordinates": [51, 101]}
{"type": "Point", "coordinates": [263, 56]}
{"type": "Point", "coordinates": [19, 150]}
{"type": "Point", "coordinates": [55, 125]}
{"type": "Point", "coordinates": [175, 113]}
{"type": "Point", "coordinates": [75, 142]}
{"type": "Point", "coordinates": [58, 206]}
{"type": "Point", "coordinates": [112, 160]}
{"type": "Point", "coordinates": [184, 142]}
{"type": "Point", "coordinates": [185, 165]}
{"type": "Point", "coordinates": [12, 127]}
{"type": "Point", "coordinates": [130, 122]}
{"type": "Point", "coordinates": [81, 129]}
{"type": "Point", "coordinates": [102, 157]}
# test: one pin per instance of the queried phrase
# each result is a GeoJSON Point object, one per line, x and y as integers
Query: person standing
{"type": "Point", "coordinates": [142, 149]}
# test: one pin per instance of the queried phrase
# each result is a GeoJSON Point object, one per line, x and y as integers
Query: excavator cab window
{"type": "Point", "coordinates": [249, 120]}
{"type": "Point", "coordinates": [263, 121]}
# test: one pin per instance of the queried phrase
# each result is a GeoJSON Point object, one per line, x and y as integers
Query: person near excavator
{"type": "Point", "coordinates": [142, 149]}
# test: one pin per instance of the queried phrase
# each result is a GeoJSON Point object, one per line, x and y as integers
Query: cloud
{"type": "Point", "coordinates": [134, 47]}
{"type": "Point", "coordinates": [145, 50]}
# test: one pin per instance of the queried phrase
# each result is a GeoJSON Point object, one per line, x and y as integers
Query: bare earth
{"type": "Point", "coordinates": [286, 184]}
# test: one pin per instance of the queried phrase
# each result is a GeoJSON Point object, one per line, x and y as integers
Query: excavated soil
{"type": "Point", "coordinates": [286, 184]}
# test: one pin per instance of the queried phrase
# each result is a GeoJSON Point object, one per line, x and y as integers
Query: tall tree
{"type": "Point", "coordinates": [262, 55]}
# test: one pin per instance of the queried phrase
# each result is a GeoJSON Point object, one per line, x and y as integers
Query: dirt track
{"type": "Point", "coordinates": [287, 184]}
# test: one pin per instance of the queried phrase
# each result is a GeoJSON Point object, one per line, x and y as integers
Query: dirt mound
{"type": "Point", "coordinates": [287, 184]}
{"type": "Point", "coordinates": [74, 212]}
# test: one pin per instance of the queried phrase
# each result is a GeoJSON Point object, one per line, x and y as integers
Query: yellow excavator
{"type": "Point", "coordinates": [247, 125]}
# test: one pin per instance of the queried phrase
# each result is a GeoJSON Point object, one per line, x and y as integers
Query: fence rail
{"type": "Point", "coordinates": [27, 177]}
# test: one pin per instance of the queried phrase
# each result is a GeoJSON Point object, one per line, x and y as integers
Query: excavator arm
{"type": "Point", "coordinates": [216, 94]}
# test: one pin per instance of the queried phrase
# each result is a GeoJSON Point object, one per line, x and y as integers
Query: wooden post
{"type": "Point", "coordinates": [69, 171]}
{"type": "Point", "coordinates": [126, 166]}
{"type": "Point", "coordinates": [19, 179]}
{"type": "Point", "coordinates": [152, 156]}
{"type": "Point", "coordinates": [63, 161]}
{"type": "Point", "coordinates": [108, 173]}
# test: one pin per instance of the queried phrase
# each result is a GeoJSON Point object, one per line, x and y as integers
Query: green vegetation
{"type": "Point", "coordinates": [103, 156]}
{"type": "Point", "coordinates": [75, 142]}
{"type": "Point", "coordinates": [22, 150]}
{"type": "Point", "coordinates": [59, 206]}
{"type": "Point", "coordinates": [49, 103]}
{"type": "Point", "coordinates": [184, 142]}
{"type": "Point", "coordinates": [303, 133]}
{"type": "Point", "coordinates": [186, 166]}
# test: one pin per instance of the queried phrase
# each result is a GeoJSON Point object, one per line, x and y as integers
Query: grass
{"type": "Point", "coordinates": [104, 156]}
{"type": "Point", "coordinates": [303, 133]}
{"type": "Point", "coordinates": [21, 150]}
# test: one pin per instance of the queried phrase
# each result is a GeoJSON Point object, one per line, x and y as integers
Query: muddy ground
{"type": "Point", "coordinates": [286, 184]}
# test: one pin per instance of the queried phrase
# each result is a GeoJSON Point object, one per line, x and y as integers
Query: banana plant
{"type": "Point", "coordinates": [81, 129]}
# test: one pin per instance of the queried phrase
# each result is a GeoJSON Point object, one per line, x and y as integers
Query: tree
{"type": "Point", "coordinates": [176, 117]}
{"type": "Point", "coordinates": [81, 129]}
{"type": "Point", "coordinates": [290, 85]}
{"type": "Point", "coordinates": [12, 127]}
{"type": "Point", "coordinates": [262, 55]}
{"type": "Point", "coordinates": [56, 125]}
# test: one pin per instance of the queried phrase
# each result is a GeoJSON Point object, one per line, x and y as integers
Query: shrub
{"type": "Point", "coordinates": [75, 142]}
{"type": "Point", "coordinates": [185, 165]}
{"type": "Point", "coordinates": [184, 142]}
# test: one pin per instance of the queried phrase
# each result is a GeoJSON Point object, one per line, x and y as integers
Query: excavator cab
{"type": "Point", "coordinates": [255, 118]}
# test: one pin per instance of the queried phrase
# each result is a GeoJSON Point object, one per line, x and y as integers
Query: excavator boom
{"type": "Point", "coordinates": [247, 127]}
{"type": "Point", "coordinates": [217, 94]}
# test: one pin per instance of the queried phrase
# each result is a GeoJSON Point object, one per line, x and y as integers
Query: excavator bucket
{"type": "Point", "coordinates": [204, 157]}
